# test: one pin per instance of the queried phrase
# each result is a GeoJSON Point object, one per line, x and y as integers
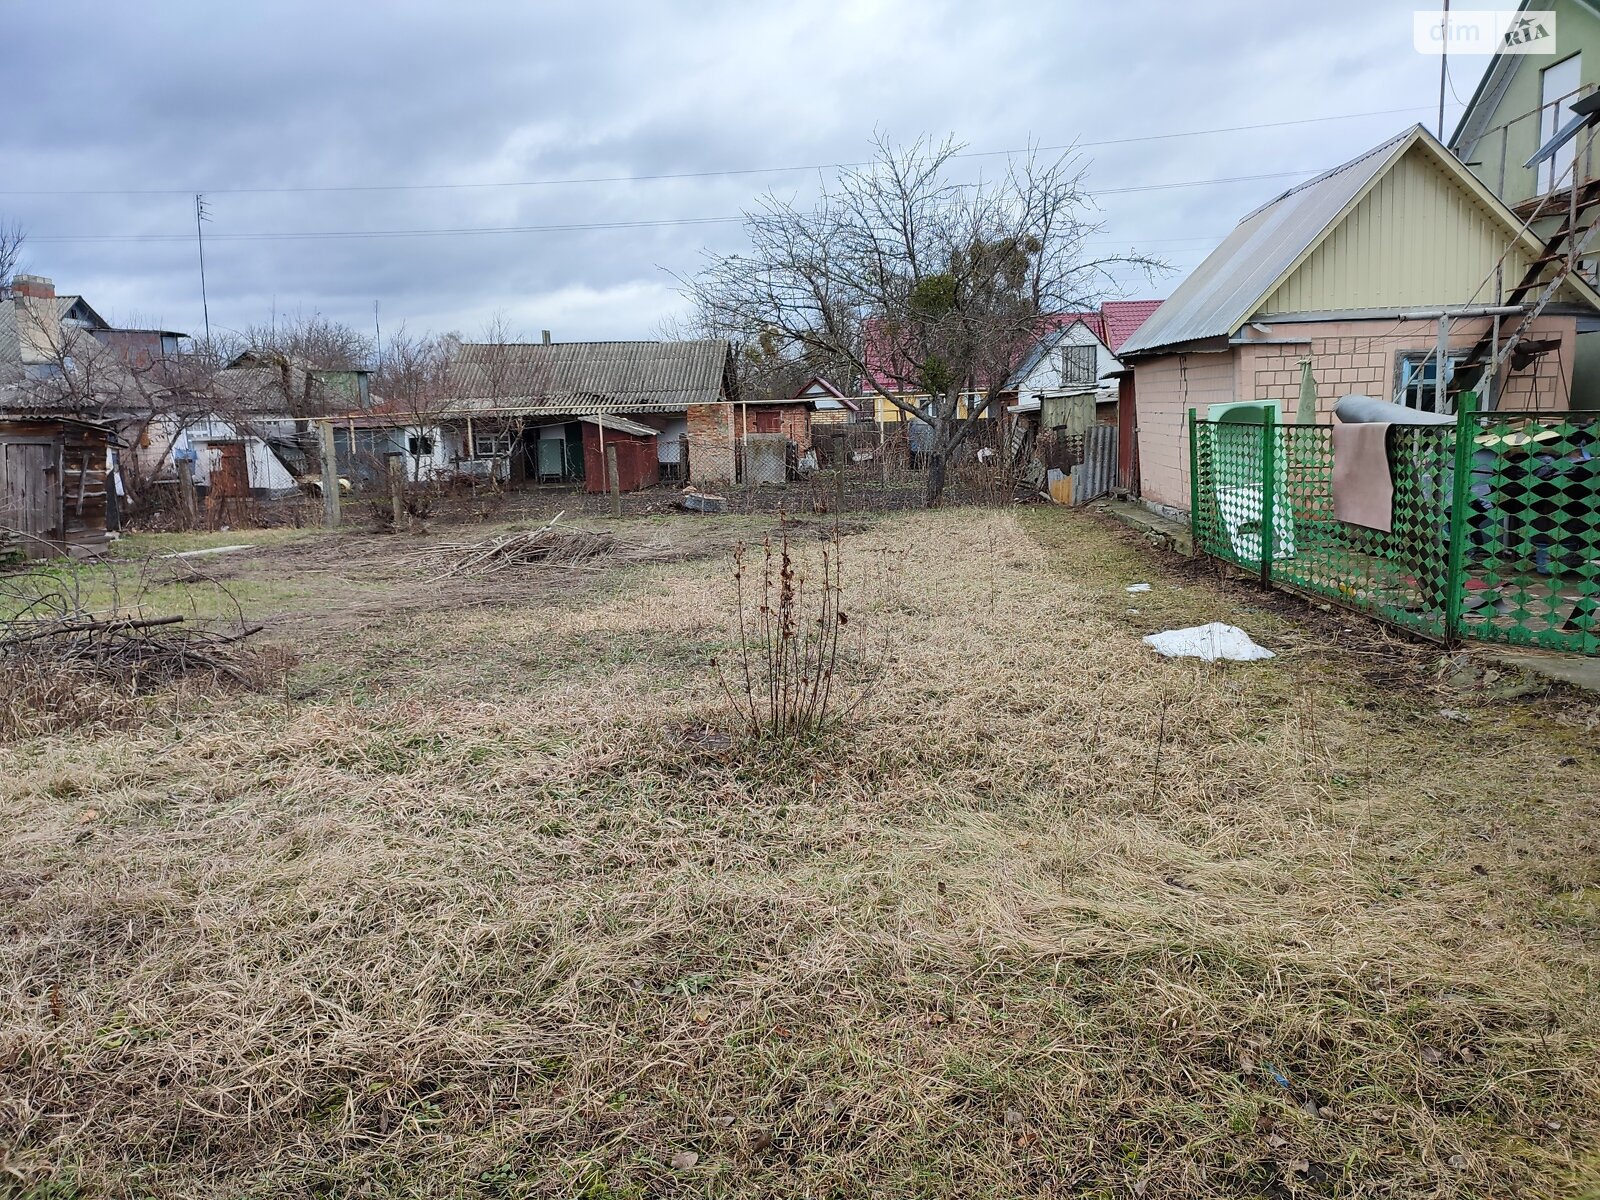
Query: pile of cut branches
{"type": "Point", "coordinates": [549, 545]}
{"type": "Point", "coordinates": [79, 643]}
{"type": "Point", "coordinates": [140, 650]}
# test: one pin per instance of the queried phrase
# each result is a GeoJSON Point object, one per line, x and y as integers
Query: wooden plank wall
{"type": "Point", "coordinates": [84, 478]}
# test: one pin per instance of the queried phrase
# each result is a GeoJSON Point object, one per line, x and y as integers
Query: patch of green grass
{"type": "Point", "coordinates": [150, 545]}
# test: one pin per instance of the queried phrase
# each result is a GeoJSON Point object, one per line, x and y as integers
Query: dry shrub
{"type": "Point", "coordinates": [783, 686]}
{"type": "Point", "coordinates": [552, 545]}
{"type": "Point", "coordinates": [79, 644]}
{"type": "Point", "coordinates": [40, 694]}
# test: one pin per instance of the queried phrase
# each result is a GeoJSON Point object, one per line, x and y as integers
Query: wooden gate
{"type": "Point", "coordinates": [227, 500]}
{"type": "Point", "coordinates": [230, 478]}
{"type": "Point", "coordinates": [30, 502]}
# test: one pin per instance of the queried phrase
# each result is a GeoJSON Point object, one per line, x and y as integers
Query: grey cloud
{"type": "Point", "coordinates": [185, 95]}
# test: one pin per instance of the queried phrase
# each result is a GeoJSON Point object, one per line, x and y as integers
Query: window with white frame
{"type": "Point", "coordinates": [491, 445]}
{"type": "Point", "coordinates": [1078, 366]}
{"type": "Point", "coordinates": [1417, 380]}
{"type": "Point", "coordinates": [1558, 88]}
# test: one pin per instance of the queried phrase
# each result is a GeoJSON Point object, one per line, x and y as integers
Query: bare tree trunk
{"type": "Point", "coordinates": [933, 486]}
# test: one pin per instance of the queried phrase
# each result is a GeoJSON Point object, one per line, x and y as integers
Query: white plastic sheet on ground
{"type": "Point", "coordinates": [1209, 642]}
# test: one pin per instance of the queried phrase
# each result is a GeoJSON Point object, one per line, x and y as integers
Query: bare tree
{"type": "Point", "coordinates": [417, 385]}
{"type": "Point", "coordinates": [12, 238]}
{"type": "Point", "coordinates": [150, 398]}
{"type": "Point", "coordinates": [920, 285]}
{"type": "Point", "coordinates": [767, 364]}
{"type": "Point", "coordinates": [312, 341]}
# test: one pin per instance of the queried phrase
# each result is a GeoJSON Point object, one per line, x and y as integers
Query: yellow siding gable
{"type": "Point", "coordinates": [1417, 238]}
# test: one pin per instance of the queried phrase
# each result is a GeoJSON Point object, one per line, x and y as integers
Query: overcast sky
{"type": "Point", "coordinates": [137, 106]}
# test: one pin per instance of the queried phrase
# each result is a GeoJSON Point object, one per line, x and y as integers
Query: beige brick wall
{"type": "Point", "coordinates": [1346, 357]}
{"type": "Point", "coordinates": [1165, 389]}
{"type": "Point", "coordinates": [1363, 356]}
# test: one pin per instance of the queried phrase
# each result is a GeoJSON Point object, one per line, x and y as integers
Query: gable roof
{"type": "Point", "coordinates": [1043, 347]}
{"type": "Point", "coordinates": [594, 376]}
{"type": "Point", "coordinates": [66, 304]}
{"type": "Point", "coordinates": [817, 386]}
{"type": "Point", "coordinates": [1269, 244]}
{"type": "Point", "coordinates": [1492, 87]}
{"type": "Point", "coordinates": [1122, 319]}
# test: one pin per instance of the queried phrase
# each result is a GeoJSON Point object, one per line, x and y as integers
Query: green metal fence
{"type": "Point", "coordinates": [1522, 566]}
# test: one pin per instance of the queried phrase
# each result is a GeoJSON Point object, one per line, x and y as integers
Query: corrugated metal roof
{"type": "Point", "coordinates": [620, 425]}
{"type": "Point", "coordinates": [592, 377]}
{"type": "Point", "coordinates": [1225, 289]}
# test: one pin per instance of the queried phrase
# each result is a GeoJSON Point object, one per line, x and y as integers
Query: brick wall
{"type": "Point", "coordinates": [711, 442]}
{"type": "Point", "coordinates": [1346, 356]}
{"type": "Point", "coordinates": [793, 421]}
{"type": "Point", "coordinates": [1167, 388]}
{"type": "Point", "coordinates": [1363, 357]}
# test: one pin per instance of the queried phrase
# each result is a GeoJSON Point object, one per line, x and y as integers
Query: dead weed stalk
{"type": "Point", "coordinates": [784, 684]}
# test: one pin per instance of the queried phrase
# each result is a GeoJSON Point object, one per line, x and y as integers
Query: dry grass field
{"type": "Point", "coordinates": [489, 898]}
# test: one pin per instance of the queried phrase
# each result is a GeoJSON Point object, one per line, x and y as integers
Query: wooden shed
{"type": "Point", "coordinates": [637, 463]}
{"type": "Point", "coordinates": [55, 484]}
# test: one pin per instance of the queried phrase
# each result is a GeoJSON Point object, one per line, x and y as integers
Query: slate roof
{"type": "Point", "coordinates": [594, 377]}
{"type": "Point", "coordinates": [10, 339]}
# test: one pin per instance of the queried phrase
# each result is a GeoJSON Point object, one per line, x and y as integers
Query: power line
{"type": "Point", "coordinates": [736, 171]}
{"type": "Point", "coordinates": [478, 230]}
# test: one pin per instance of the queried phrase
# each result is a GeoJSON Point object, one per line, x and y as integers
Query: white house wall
{"type": "Point", "coordinates": [1046, 375]}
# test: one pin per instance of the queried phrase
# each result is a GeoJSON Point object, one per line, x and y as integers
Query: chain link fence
{"type": "Point", "coordinates": [860, 467]}
{"type": "Point", "coordinates": [1495, 527]}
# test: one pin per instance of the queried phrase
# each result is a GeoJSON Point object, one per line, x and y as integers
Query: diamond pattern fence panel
{"type": "Point", "coordinates": [1531, 562]}
{"type": "Point", "coordinates": [1523, 567]}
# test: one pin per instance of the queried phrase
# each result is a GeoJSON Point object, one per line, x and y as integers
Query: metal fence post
{"type": "Point", "coordinates": [1194, 485]}
{"type": "Point", "coordinates": [1269, 493]}
{"type": "Point", "coordinates": [1455, 583]}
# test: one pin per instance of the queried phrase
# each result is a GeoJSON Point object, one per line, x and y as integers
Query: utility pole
{"type": "Point", "coordinates": [1444, 65]}
{"type": "Point", "coordinates": [201, 213]}
{"type": "Point", "coordinates": [377, 333]}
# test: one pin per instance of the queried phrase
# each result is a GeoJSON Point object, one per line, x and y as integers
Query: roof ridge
{"type": "Point", "coordinates": [1381, 147]}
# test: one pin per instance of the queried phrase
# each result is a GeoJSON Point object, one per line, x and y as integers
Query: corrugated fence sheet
{"type": "Point", "coordinates": [1096, 475]}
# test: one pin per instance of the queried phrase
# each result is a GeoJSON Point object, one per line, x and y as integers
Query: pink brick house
{"type": "Point", "coordinates": [1352, 271]}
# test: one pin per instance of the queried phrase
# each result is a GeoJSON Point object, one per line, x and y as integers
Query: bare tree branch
{"type": "Point", "coordinates": [926, 289]}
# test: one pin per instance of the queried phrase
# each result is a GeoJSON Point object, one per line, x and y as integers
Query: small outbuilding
{"type": "Point", "coordinates": [635, 443]}
{"type": "Point", "coordinates": [57, 487]}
